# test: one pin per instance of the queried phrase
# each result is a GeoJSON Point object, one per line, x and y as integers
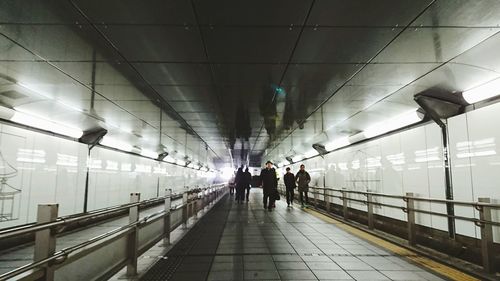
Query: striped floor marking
{"type": "Point", "coordinates": [430, 264]}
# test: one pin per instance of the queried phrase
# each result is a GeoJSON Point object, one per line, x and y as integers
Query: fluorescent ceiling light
{"type": "Point", "coordinates": [297, 158]}
{"type": "Point", "coordinates": [397, 122]}
{"type": "Point", "coordinates": [44, 124]}
{"type": "Point", "coordinates": [485, 91]}
{"type": "Point", "coordinates": [338, 143]}
{"type": "Point", "coordinates": [149, 153]}
{"type": "Point", "coordinates": [311, 153]}
{"type": "Point", "coordinates": [111, 142]}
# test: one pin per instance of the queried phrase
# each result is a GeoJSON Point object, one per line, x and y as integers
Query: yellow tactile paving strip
{"type": "Point", "coordinates": [430, 264]}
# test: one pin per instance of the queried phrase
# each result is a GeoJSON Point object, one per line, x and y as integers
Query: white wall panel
{"type": "Point", "coordinates": [53, 170]}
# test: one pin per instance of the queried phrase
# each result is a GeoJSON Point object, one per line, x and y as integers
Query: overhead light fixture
{"type": "Point", "coordinates": [111, 142]}
{"type": "Point", "coordinates": [485, 91]}
{"type": "Point", "coordinates": [394, 123]}
{"type": "Point", "coordinates": [44, 124]}
{"type": "Point", "coordinates": [337, 143]}
{"type": "Point", "coordinates": [162, 156]}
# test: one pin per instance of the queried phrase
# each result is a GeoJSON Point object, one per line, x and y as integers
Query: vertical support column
{"type": "Point", "coordinates": [412, 231]}
{"type": "Point", "coordinates": [45, 240]}
{"type": "Point", "coordinates": [487, 255]}
{"type": "Point", "coordinates": [344, 205]}
{"type": "Point", "coordinates": [369, 206]}
{"type": "Point", "coordinates": [184, 209]}
{"type": "Point", "coordinates": [166, 218]}
{"type": "Point", "coordinates": [133, 238]}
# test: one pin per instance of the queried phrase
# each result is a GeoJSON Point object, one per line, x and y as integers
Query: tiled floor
{"type": "Point", "coordinates": [289, 244]}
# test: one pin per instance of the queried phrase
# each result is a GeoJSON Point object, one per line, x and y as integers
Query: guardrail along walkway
{"type": "Point", "coordinates": [246, 242]}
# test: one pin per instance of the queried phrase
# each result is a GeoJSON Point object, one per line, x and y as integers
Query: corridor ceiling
{"type": "Point", "coordinates": [224, 80]}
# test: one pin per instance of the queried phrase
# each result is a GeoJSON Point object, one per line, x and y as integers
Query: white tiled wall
{"type": "Point", "coordinates": [412, 161]}
{"type": "Point", "coordinates": [53, 170]}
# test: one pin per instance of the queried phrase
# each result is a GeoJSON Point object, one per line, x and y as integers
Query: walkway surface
{"type": "Point", "coordinates": [246, 242]}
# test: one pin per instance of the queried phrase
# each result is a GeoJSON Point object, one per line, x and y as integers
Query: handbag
{"type": "Point", "coordinates": [276, 196]}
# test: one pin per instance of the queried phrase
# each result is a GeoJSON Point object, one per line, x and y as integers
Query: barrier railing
{"type": "Point", "coordinates": [407, 206]}
{"type": "Point", "coordinates": [102, 256]}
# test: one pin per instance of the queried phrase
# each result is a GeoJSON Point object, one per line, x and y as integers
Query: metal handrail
{"type": "Point", "coordinates": [405, 198]}
{"type": "Point", "coordinates": [61, 221]}
{"type": "Point", "coordinates": [61, 255]}
{"type": "Point", "coordinates": [435, 200]}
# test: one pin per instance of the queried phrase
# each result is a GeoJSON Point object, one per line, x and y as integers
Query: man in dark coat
{"type": "Point", "coordinates": [289, 180]}
{"type": "Point", "coordinates": [240, 185]}
{"type": "Point", "coordinates": [269, 183]}
{"type": "Point", "coordinates": [248, 181]}
{"type": "Point", "coordinates": [303, 178]}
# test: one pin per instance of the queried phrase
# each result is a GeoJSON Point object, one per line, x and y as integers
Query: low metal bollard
{"type": "Point", "coordinates": [410, 206]}
{"type": "Point", "coordinates": [487, 249]}
{"type": "Point", "coordinates": [133, 237]}
{"type": "Point", "coordinates": [45, 240]}
{"type": "Point", "coordinates": [166, 218]}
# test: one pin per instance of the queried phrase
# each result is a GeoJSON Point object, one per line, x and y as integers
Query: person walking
{"type": "Point", "coordinates": [248, 182]}
{"type": "Point", "coordinates": [240, 185]}
{"type": "Point", "coordinates": [302, 178]}
{"type": "Point", "coordinates": [269, 183]}
{"type": "Point", "coordinates": [289, 180]}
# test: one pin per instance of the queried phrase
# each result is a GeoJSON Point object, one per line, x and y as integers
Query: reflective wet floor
{"type": "Point", "coordinates": [285, 244]}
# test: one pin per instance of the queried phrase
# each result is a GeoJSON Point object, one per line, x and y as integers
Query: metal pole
{"type": "Point", "coordinates": [369, 205]}
{"type": "Point", "coordinates": [487, 249]}
{"type": "Point", "coordinates": [45, 240]}
{"type": "Point", "coordinates": [410, 205]}
{"type": "Point", "coordinates": [166, 218]}
{"type": "Point", "coordinates": [344, 204]}
{"type": "Point", "coordinates": [133, 238]}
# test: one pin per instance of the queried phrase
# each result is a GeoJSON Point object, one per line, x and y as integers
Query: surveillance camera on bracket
{"type": "Point", "coordinates": [162, 156]}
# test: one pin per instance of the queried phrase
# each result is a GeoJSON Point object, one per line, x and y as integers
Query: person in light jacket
{"type": "Point", "coordinates": [302, 178]}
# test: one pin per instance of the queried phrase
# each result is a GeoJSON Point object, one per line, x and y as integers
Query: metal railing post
{"type": "Point", "coordinates": [166, 218]}
{"type": "Point", "coordinates": [326, 198]}
{"type": "Point", "coordinates": [369, 206]}
{"type": "Point", "coordinates": [344, 205]}
{"type": "Point", "coordinates": [487, 249]}
{"type": "Point", "coordinates": [410, 206]}
{"type": "Point", "coordinates": [315, 194]}
{"type": "Point", "coordinates": [195, 205]}
{"type": "Point", "coordinates": [45, 240]}
{"type": "Point", "coordinates": [133, 237]}
{"type": "Point", "coordinates": [184, 209]}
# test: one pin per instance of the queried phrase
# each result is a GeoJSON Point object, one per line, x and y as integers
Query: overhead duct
{"type": "Point", "coordinates": [320, 148]}
{"type": "Point", "coordinates": [93, 136]}
{"type": "Point", "coordinates": [162, 156]}
{"type": "Point", "coordinates": [439, 104]}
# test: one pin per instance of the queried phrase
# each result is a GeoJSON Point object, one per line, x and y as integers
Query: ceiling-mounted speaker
{"type": "Point", "coordinates": [320, 148]}
{"type": "Point", "coordinates": [162, 156]}
{"type": "Point", "coordinates": [93, 136]}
